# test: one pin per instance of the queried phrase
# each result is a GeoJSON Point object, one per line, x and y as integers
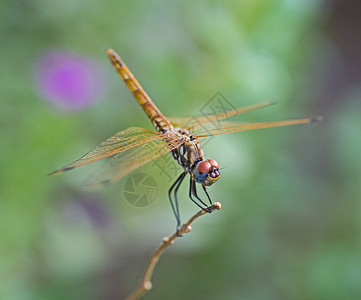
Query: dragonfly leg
{"type": "Point", "coordinates": [195, 194]}
{"type": "Point", "coordinates": [175, 195]}
{"type": "Point", "coordinates": [176, 201]}
{"type": "Point", "coordinates": [175, 207]}
{"type": "Point", "coordinates": [191, 192]}
{"type": "Point", "coordinates": [209, 198]}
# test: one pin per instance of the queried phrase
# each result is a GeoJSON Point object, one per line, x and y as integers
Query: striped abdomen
{"type": "Point", "coordinates": [160, 122]}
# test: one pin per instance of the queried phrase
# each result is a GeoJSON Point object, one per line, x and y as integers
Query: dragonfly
{"type": "Point", "coordinates": [133, 147]}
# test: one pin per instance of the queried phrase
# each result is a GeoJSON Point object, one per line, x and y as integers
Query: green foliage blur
{"type": "Point", "coordinates": [290, 224]}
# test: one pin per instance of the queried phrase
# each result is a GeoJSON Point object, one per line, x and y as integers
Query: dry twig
{"type": "Point", "coordinates": [146, 284]}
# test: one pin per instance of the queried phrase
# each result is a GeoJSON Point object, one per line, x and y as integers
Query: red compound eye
{"type": "Point", "coordinates": [213, 163]}
{"type": "Point", "coordinates": [204, 167]}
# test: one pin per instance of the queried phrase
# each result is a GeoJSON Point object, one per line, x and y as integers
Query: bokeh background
{"type": "Point", "coordinates": [290, 225]}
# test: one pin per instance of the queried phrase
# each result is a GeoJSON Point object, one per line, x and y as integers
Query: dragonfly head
{"type": "Point", "coordinates": [206, 172]}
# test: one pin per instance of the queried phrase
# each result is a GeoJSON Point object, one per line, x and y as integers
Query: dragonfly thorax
{"type": "Point", "coordinates": [190, 152]}
{"type": "Point", "coordinates": [206, 172]}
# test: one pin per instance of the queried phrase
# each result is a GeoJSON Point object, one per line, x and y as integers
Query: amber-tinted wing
{"type": "Point", "coordinates": [125, 162]}
{"type": "Point", "coordinates": [121, 141]}
{"type": "Point", "coordinates": [229, 127]}
{"type": "Point", "coordinates": [196, 121]}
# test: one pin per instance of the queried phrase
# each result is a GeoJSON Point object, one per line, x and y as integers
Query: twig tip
{"type": "Point", "coordinates": [147, 285]}
{"type": "Point", "coordinates": [217, 205]}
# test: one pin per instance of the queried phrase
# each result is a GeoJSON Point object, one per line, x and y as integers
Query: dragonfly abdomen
{"type": "Point", "coordinates": [160, 122]}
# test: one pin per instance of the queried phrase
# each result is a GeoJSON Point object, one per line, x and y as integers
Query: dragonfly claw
{"type": "Point", "coordinates": [178, 234]}
{"type": "Point", "coordinates": [208, 210]}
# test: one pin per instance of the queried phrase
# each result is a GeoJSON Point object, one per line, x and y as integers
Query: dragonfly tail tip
{"type": "Point", "coordinates": [109, 51]}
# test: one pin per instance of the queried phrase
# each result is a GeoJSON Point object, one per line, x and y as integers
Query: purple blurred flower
{"type": "Point", "coordinates": [69, 81]}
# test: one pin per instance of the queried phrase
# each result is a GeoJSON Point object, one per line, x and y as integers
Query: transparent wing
{"type": "Point", "coordinates": [229, 127]}
{"type": "Point", "coordinates": [192, 122]}
{"type": "Point", "coordinates": [125, 162]}
{"type": "Point", "coordinates": [121, 141]}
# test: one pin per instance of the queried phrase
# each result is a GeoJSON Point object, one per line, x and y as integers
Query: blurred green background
{"type": "Point", "coordinates": [290, 224]}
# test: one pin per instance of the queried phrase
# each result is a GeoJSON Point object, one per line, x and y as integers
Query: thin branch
{"type": "Point", "coordinates": [146, 284]}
